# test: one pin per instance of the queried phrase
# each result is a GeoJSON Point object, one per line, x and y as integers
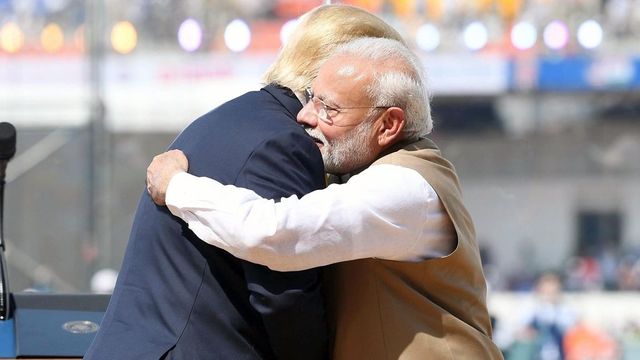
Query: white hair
{"type": "Point", "coordinates": [398, 81]}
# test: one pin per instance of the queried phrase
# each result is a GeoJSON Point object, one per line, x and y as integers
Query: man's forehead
{"type": "Point", "coordinates": [351, 68]}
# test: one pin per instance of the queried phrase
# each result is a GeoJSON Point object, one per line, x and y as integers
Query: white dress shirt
{"type": "Point", "coordinates": [386, 211]}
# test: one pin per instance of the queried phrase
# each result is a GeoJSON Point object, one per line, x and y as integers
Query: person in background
{"type": "Point", "coordinates": [407, 281]}
{"type": "Point", "coordinates": [177, 297]}
{"type": "Point", "coordinates": [544, 321]}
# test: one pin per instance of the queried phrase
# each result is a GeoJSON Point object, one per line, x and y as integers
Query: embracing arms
{"type": "Point", "coordinates": [387, 211]}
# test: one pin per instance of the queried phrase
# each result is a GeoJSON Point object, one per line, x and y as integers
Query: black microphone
{"type": "Point", "coordinates": [7, 150]}
{"type": "Point", "coordinates": [7, 146]}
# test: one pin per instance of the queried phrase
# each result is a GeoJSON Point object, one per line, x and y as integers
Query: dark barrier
{"type": "Point", "coordinates": [53, 325]}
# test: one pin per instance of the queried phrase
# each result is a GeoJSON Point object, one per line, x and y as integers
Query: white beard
{"type": "Point", "coordinates": [347, 153]}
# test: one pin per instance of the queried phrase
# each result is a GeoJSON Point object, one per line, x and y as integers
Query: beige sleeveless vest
{"type": "Point", "coordinates": [434, 309]}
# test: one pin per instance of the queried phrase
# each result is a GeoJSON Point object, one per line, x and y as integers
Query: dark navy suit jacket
{"type": "Point", "coordinates": [179, 298]}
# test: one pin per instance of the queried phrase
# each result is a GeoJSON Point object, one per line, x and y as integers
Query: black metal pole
{"type": "Point", "coordinates": [7, 150]}
{"type": "Point", "coordinates": [4, 276]}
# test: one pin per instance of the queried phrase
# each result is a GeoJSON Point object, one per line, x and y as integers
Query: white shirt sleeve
{"type": "Point", "coordinates": [386, 211]}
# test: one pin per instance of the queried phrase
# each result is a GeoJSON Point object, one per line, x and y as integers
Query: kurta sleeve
{"type": "Point", "coordinates": [386, 211]}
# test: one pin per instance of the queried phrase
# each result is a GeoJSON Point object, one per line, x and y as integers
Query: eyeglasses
{"type": "Point", "coordinates": [326, 113]}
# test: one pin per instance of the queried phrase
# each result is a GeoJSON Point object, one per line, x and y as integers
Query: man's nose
{"type": "Point", "coordinates": [307, 116]}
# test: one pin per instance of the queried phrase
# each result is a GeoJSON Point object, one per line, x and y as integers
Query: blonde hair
{"type": "Point", "coordinates": [315, 37]}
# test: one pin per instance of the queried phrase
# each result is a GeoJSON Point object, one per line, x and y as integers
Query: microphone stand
{"type": "Point", "coordinates": [4, 277]}
{"type": "Point", "coordinates": [7, 150]}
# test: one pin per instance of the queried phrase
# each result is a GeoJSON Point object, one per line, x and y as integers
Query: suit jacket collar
{"type": "Point", "coordinates": [286, 97]}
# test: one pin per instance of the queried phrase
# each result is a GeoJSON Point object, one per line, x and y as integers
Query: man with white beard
{"type": "Point", "coordinates": [407, 281]}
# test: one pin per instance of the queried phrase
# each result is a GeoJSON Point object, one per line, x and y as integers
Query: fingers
{"type": "Point", "coordinates": [153, 189]}
{"type": "Point", "coordinates": [154, 180]}
{"type": "Point", "coordinates": [160, 171]}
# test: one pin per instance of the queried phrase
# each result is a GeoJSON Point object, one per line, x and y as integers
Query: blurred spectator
{"type": "Point", "coordinates": [608, 261]}
{"type": "Point", "coordinates": [584, 273]}
{"type": "Point", "coordinates": [521, 281]}
{"type": "Point", "coordinates": [629, 273]}
{"type": "Point", "coordinates": [584, 341]}
{"type": "Point", "coordinates": [544, 321]}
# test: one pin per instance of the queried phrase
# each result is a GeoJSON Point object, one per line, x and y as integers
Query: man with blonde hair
{"type": "Point", "coordinates": [407, 281]}
{"type": "Point", "coordinates": [179, 298]}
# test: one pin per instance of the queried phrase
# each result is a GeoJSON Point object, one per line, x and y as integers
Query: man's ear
{"type": "Point", "coordinates": [391, 128]}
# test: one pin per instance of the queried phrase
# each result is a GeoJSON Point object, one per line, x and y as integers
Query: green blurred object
{"type": "Point", "coordinates": [631, 348]}
{"type": "Point", "coordinates": [522, 350]}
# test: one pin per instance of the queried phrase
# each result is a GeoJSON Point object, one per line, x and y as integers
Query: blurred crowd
{"type": "Point", "coordinates": [546, 327]}
{"type": "Point", "coordinates": [609, 270]}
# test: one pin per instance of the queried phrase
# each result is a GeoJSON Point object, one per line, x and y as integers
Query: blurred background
{"type": "Point", "coordinates": [536, 102]}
